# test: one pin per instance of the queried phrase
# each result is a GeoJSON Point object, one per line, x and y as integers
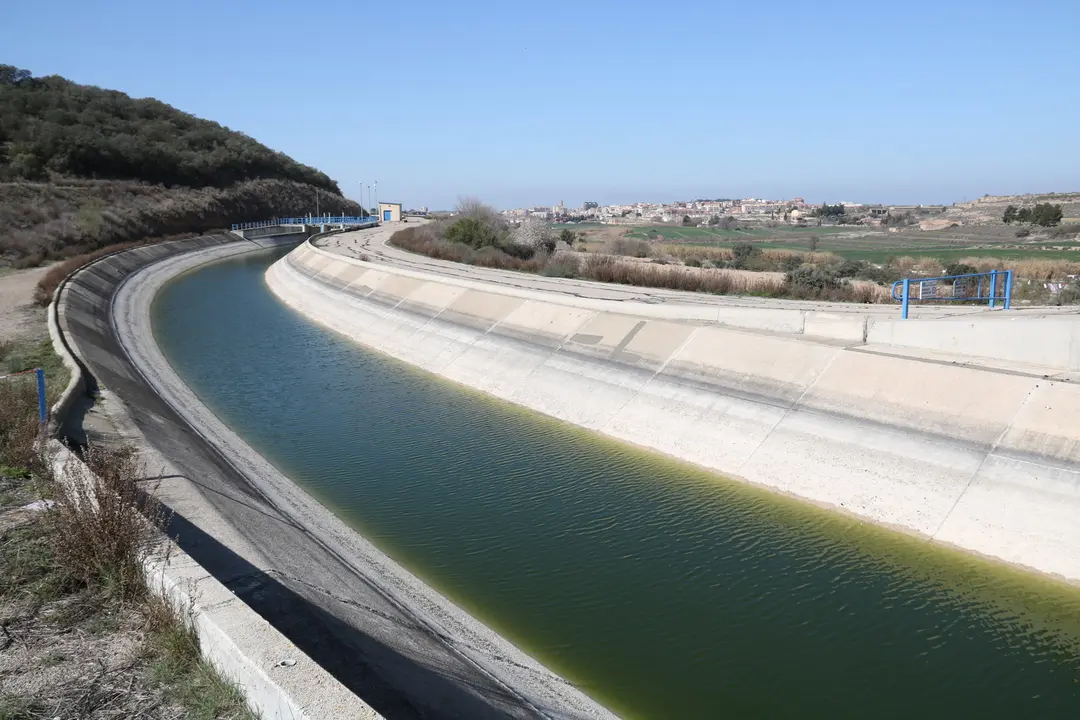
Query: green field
{"type": "Point", "coordinates": [859, 244]}
{"type": "Point", "coordinates": [700, 234]}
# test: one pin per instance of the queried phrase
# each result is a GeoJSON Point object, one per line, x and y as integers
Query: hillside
{"type": "Point", "coordinates": [82, 167]}
{"type": "Point", "coordinates": [989, 208]}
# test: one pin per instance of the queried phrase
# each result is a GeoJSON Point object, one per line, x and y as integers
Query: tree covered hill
{"type": "Point", "coordinates": [82, 167]}
{"type": "Point", "coordinates": [51, 126]}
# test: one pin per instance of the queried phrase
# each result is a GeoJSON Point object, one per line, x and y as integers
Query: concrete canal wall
{"type": "Point", "coordinates": [311, 619]}
{"type": "Point", "coordinates": [984, 459]}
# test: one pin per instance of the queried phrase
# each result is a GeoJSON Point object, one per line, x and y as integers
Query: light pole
{"type": "Point", "coordinates": [363, 212]}
{"type": "Point", "coordinates": [378, 210]}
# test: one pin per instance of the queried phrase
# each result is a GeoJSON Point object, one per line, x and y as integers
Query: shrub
{"type": "Point", "coordinates": [813, 279]}
{"type": "Point", "coordinates": [521, 252]}
{"type": "Point", "coordinates": [98, 532]}
{"type": "Point", "coordinates": [743, 254]}
{"type": "Point", "coordinates": [850, 268]}
{"type": "Point", "coordinates": [1023, 233]}
{"type": "Point", "coordinates": [630, 247]}
{"type": "Point", "coordinates": [790, 263]}
{"type": "Point", "coordinates": [561, 265]}
{"type": "Point", "coordinates": [882, 275]}
{"type": "Point", "coordinates": [958, 268]}
{"type": "Point", "coordinates": [692, 262]}
{"type": "Point", "coordinates": [473, 232]}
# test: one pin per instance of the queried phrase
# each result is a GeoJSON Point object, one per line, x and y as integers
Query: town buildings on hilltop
{"type": "Point", "coordinates": [793, 211]}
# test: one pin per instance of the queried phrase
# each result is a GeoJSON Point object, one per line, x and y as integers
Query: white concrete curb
{"type": "Point", "coordinates": [239, 643]}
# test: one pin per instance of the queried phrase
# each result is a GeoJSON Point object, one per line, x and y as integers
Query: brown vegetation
{"type": "Point", "coordinates": [83, 635]}
{"type": "Point", "coordinates": [51, 280]}
{"type": "Point", "coordinates": [426, 240]}
{"type": "Point", "coordinates": [50, 221]}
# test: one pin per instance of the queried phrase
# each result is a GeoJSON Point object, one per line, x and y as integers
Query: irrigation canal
{"type": "Point", "coordinates": [663, 591]}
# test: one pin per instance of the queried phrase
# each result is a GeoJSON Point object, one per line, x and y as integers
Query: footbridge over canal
{"type": "Point", "coordinates": [301, 227]}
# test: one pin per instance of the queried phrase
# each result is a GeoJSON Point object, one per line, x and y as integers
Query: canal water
{"type": "Point", "coordinates": [661, 590]}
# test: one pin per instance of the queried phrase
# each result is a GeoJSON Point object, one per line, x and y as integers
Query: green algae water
{"type": "Point", "coordinates": [661, 590]}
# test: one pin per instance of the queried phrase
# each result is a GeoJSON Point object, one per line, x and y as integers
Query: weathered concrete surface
{"type": "Point", "coordinates": [981, 458]}
{"type": "Point", "coordinates": [369, 623]}
{"type": "Point", "coordinates": [967, 333]}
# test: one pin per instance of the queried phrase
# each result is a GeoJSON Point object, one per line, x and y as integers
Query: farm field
{"type": "Point", "coordinates": [875, 246]}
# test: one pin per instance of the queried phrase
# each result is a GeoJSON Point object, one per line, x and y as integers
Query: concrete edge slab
{"type": "Point", "coordinates": [233, 658]}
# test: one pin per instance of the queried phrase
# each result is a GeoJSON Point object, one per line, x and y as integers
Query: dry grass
{"type": "Point", "coordinates": [51, 280]}
{"type": "Point", "coordinates": [101, 524]}
{"type": "Point", "coordinates": [83, 636]}
{"type": "Point", "coordinates": [19, 425]}
{"type": "Point", "coordinates": [635, 271]}
{"type": "Point", "coordinates": [53, 221]}
{"type": "Point", "coordinates": [1035, 269]}
{"type": "Point", "coordinates": [607, 268]}
{"type": "Point", "coordinates": [630, 247]}
{"type": "Point", "coordinates": [774, 258]}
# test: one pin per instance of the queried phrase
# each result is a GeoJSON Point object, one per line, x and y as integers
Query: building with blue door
{"type": "Point", "coordinates": [390, 212]}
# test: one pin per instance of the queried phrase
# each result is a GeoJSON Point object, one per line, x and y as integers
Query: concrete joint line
{"type": "Point", "coordinates": [663, 366]}
{"type": "Point", "coordinates": [553, 353]}
{"type": "Point", "coordinates": [982, 463]}
{"type": "Point", "coordinates": [787, 412]}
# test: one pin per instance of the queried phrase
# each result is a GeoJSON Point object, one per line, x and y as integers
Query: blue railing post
{"type": "Point", "coordinates": [905, 298]}
{"type": "Point", "coordinates": [43, 412]}
{"type": "Point", "coordinates": [1008, 289]}
{"type": "Point", "coordinates": [993, 287]}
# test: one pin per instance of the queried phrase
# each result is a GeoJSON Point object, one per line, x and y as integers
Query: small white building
{"type": "Point", "coordinates": [389, 212]}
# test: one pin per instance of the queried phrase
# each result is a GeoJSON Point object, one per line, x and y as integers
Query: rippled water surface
{"type": "Point", "coordinates": [664, 591]}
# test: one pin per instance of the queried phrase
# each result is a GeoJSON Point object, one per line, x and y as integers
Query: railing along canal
{"type": "Point", "coordinates": [314, 220]}
{"type": "Point", "coordinates": [970, 287]}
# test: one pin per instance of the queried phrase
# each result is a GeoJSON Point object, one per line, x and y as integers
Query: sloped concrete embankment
{"type": "Point", "coordinates": [981, 459]}
{"type": "Point", "coordinates": [237, 641]}
{"type": "Point", "coordinates": [354, 623]}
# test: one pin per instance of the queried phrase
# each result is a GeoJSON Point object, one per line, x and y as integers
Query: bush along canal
{"type": "Point", "coordinates": [662, 590]}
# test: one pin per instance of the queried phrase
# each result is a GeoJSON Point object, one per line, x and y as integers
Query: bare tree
{"type": "Point", "coordinates": [472, 207]}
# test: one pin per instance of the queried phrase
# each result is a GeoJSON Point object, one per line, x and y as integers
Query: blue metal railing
{"type": "Point", "coordinates": [315, 220]}
{"type": "Point", "coordinates": [972, 287]}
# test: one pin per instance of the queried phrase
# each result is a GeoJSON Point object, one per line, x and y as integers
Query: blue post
{"type": "Point", "coordinates": [42, 410]}
{"type": "Point", "coordinates": [1008, 289]}
{"type": "Point", "coordinates": [904, 300]}
{"type": "Point", "coordinates": [993, 288]}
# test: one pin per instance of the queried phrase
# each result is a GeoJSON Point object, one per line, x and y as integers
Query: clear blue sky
{"type": "Point", "coordinates": [532, 103]}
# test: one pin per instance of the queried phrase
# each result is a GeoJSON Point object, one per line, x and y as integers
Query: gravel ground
{"type": "Point", "coordinates": [20, 319]}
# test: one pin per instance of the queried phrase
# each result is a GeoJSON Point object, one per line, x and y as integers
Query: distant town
{"type": "Point", "coordinates": [795, 211]}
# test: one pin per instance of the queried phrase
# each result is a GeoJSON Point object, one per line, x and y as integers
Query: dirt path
{"type": "Point", "coordinates": [20, 319]}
